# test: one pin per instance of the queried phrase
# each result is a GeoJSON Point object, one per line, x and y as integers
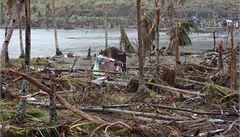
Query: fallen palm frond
{"type": "Point", "coordinates": [14, 130]}
{"type": "Point", "coordinates": [179, 36]}
{"type": "Point", "coordinates": [41, 62]}
{"type": "Point", "coordinates": [108, 125]}
{"type": "Point", "coordinates": [234, 97]}
{"type": "Point", "coordinates": [125, 43]}
{"type": "Point", "coordinates": [48, 131]}
{"type": "Point", "coordinates": [70, 82]}
{"type": "Point", "coordinates": [185, 29]}
{"type": "Point", "coordinates": [215, 89]}
{"type": "Point", "coordinates": [37, 115]}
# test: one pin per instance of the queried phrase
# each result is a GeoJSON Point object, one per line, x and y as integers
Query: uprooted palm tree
{"type": "Point", "coordinates": [179, 36]}
{"type": "Point", "coordinates": [125, 44]}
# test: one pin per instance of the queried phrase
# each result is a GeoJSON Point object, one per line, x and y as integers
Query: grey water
{"type": "Point", "coordinates": [79, 40]}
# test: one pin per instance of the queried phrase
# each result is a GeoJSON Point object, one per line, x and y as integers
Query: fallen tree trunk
{"type": "Point", "coordinates": [134, 113]}
{"type": "Point", "coordinates": [114, 109]}
{"type": "Point", "coordinates": [195, 112]}
{"type": "Point", "coordinates": [203, 67]}
{"type": "Point", "coordinates": [202, 83]}
{"type": "Point", "coordinates": [161, 86]}
{"type": "Point", "coordinates": [61, 100]}
{"type": "Point", "coordinates": [176, 89]}
{"type": "Point", "coordinates": [146, 119]}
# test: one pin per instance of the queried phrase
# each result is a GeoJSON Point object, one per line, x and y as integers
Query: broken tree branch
{"type": "Point", "coordinates": [61, 100]}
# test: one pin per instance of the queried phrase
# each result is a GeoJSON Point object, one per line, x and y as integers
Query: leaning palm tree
{"type": "Point", "coordinates": [9, 32]}
{"type": "Point", "coordinates": [148, 31]}
{"type": "Point", "coordinates": [9, 4]}
{"type": "Point", "coordinates": [58, 51]}
{"type": "Point", "coordinates": [179, 36]}
{"type": "Point", "coordinates": [125, 44]}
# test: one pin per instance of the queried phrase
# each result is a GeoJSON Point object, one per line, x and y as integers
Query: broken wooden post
{"type": "Point", "coordinates": [74, 63]}
{"type": "Point", "coordinates": [52, 107]}
{"type": "Point", "coordinates": [220, 60]}
{"type": "Point", "coordinates": [214, 40]}
{"type": "Point", "coordinates": [89, 53]}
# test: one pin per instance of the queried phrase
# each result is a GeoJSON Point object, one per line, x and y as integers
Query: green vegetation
{"type": "Point", "coordinates": [80, 13]}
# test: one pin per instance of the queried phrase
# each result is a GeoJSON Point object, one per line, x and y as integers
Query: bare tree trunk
{"type": "Point", "coordinates": [53, 112]}
{"type": "Point", "coordinates": [232, 63]}
{"type": "Point", "coordinates": [176, 45]}
{"type": "Point", "coordinates": [66, 17]}
{"type": "Point", "coordinates": [20, 114]}
{"type": "Point", "coordinates": [140, 45]}
{"type": "Point", "coordinates": [8, 17]}
{"type": "Point", "coordinates": [27, 34]}
{"type": "Point", "coordinates": [220, 59]}
{"type": "Point", "coordinates": [58, 51]}
{"type": "Point", "coordinates": [10, 32]}
{"type": "Point", "coordinates": [1, 15]}
{"type": "Point", "coordinates": [20, 35]}
{"type": "Point", "coordinates": [39, 17]}
{"type": "Point", "coordinates": [46, 14]}
{"type": "Point", "coordinates": [158, 35]}
{"type": "Point", "coordinates": [106, 32]}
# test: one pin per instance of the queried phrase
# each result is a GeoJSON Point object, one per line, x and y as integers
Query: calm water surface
{"type": "Point", "coordinates": [80, 40]}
